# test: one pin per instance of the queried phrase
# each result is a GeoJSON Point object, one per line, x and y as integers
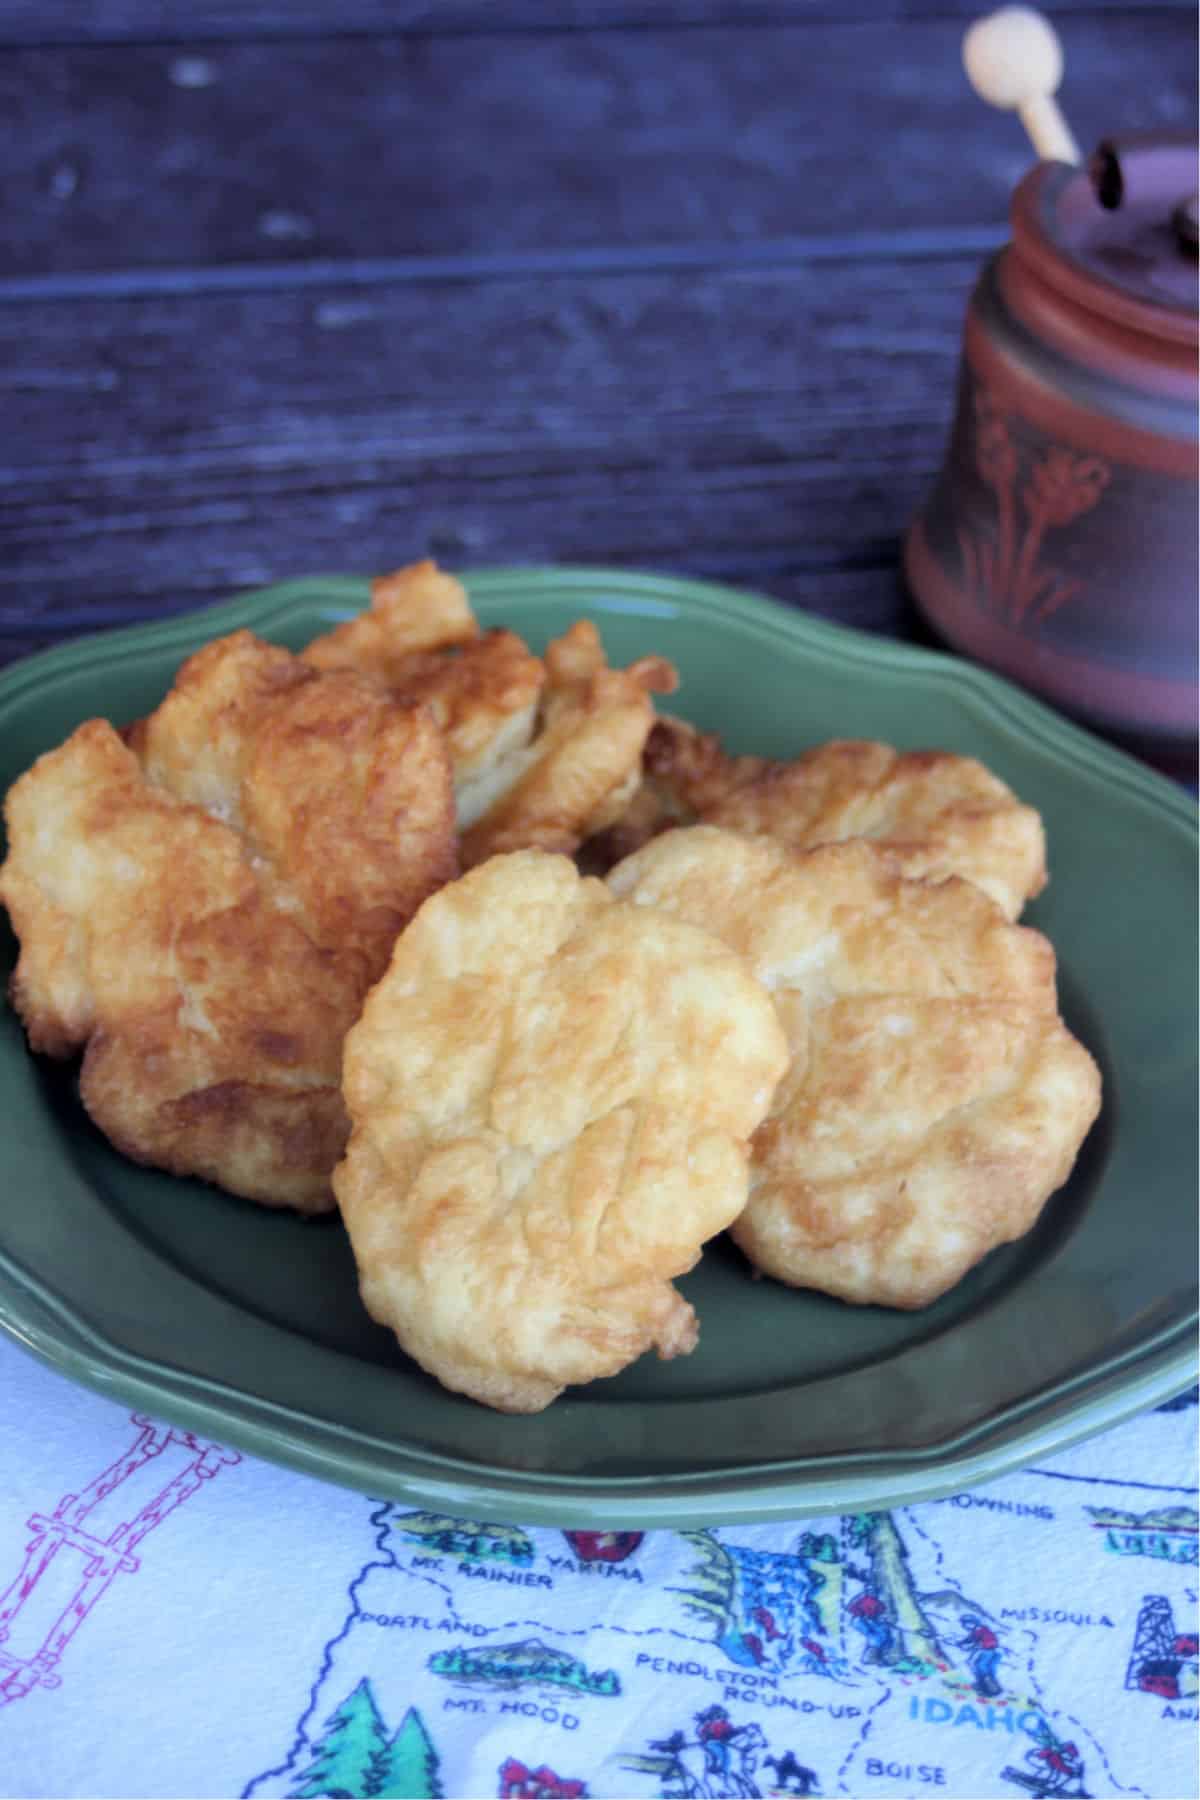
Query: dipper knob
{"type": "Point", "coordinates": [1014, 61]}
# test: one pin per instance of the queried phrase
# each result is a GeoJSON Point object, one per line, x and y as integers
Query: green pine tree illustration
{"type": "Point", "coordinates": [344, 1758]}
{"type": "Point", "coordinates": [407, 1768]}
{"type": "Point", "coordinates": [818, 1549]}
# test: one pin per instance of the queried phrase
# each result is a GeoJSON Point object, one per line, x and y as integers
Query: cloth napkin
{"type": "Point", "coordinates": [180, 1620]}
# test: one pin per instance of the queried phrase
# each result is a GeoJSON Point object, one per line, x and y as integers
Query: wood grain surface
{"type": "Point", "coordinates": [772, 423]}
{"type": "Point", "coordinates": [297, 288]}
{"type": "Point", "coordinates": [109, 21]}
{"type": "Point", "coordinates": [399, 148]}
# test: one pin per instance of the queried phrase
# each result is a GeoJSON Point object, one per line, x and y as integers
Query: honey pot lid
{"type": "Point", "coordinates": [1118, 235]}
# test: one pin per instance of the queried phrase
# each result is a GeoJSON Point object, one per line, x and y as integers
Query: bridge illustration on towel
{"type": "Point", "coordinates": [76, 1552]}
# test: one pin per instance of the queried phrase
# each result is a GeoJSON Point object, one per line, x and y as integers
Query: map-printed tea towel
{"type": "Point", "coordinates": [179, 1620]}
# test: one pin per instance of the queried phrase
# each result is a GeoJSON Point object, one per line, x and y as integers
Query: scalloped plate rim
{"type": "Point", "coordinates": [1145, 1373]}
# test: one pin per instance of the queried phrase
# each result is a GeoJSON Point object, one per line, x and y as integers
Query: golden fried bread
{"type": "Point", "coordinates": [422, 641]}
{"type": "Point", "coordinates": [202, 910]}
{"type": "Point", "coordinates": [484, 699]}
{"type": "Point", "coordinates": [934, 1099]}
{"type": "Point", "coordinates": [581, 770]}
{"type": "Point", "coordinates": [414, 609]}
{"type": "Point", "coordinates": [683, 772]}
{"type": "Point", "coordinates": [551, 1096]}
{"type": "Point", "coordinates": [544, 754]}
{"type": "Point", "coordinates": [937, 814]}
{"type": "Point", "coordinates": [339, 788]}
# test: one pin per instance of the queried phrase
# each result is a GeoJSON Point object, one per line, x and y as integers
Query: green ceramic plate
{"type": "Point", "coordinates": [246, 1325]}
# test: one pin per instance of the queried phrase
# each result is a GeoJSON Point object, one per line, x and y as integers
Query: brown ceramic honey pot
{"type": "Point", "coordinates": [1060, 542]}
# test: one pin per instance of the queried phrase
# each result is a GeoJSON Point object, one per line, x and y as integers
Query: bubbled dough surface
{"type": "Point", "coordinates": [552, 1096]}
{"type": "Point", "coordinates": [934, 1099]}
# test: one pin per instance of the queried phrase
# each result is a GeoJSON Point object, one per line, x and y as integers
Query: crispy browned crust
{"type": "Point", "coordinates": [421, 640]}
{"type": "Point", "coordinates": [204, 922]}
{"type": "Point", "coordinates": [934, 1101]}
{"type": "Point", "coordinates": [552, 1096]}
{"type": "Point", "coordinates": [937, 814]}
{"type": "Point", "coordinates": [545, 754]}
{"type": "Point", "coordinates": [580, 771]}
{"type": "Point", "coordinates": [414, 609]}
{"type": "Point", "coordinates": [473, 693]}
{"type": "Point", "coordinates": [340, 789]}
{"type": "Point", "coordinates": [683, 771]}
{"type": "Point", "coordinates": [691, 769]}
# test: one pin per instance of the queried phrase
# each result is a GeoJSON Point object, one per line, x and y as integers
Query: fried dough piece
{"type": "Point", "coordinates": [422, 641]}
{"type": "Point", "coordinates": [934, 1099]}
{"type": "Point", "coordinates": [544, 754]}
{"type": "Point", "coordinates": [937, 814]}
{"type": "Point", "coordinates": [414, 609]}
{"type": "Point", "coordinates": [484, 699]}
{"type": "Point", "coordinates": [204, 923]}
{"type": "Point", "coordinates": [583, 766]}
{"type": "Point", "coordinates": [683, 771]}
{"type": "Point", "coordinates": [551, 1097]}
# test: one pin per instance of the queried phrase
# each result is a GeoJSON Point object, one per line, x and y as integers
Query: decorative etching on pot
{"type": "Point", "coordinates": [1003, 567]}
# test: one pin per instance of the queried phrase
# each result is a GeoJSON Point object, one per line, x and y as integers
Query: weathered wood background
{"type": "Point", "coordinates": [306, 286]}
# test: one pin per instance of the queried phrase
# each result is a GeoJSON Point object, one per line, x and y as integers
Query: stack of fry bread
{"type": "Point", "coordinates": [542, 988]}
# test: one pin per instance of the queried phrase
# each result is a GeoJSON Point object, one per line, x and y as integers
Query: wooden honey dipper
{"type": "Point", "coordinates": [1014, 61]}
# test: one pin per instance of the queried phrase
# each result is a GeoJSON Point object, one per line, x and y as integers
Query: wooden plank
{"type": "Point", "coordinates": [148, 157]}
{"type": "Point", "coordinates": [138, 21]}
{"type": "Point", "coordinates": [774, 428]}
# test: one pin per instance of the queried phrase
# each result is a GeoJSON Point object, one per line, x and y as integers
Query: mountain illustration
{"type": "Point", "coordinates": [471, 1539]}
{"type": "Point", "coordinates": [948, 1600]}
{"type": "Point", "coordinates": [511, 1665]}
{"type": "Point", "coordinates": [1162, 1518]}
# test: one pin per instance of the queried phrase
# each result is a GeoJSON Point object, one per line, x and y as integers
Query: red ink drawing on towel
{"type": "Point", "coordinates": [74, 1554]}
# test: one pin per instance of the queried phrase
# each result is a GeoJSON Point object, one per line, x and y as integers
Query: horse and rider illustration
{"type": "Point", "coordinates": [720, 1762]}
{"type": "Point", "coordinates": [720, 1759]}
